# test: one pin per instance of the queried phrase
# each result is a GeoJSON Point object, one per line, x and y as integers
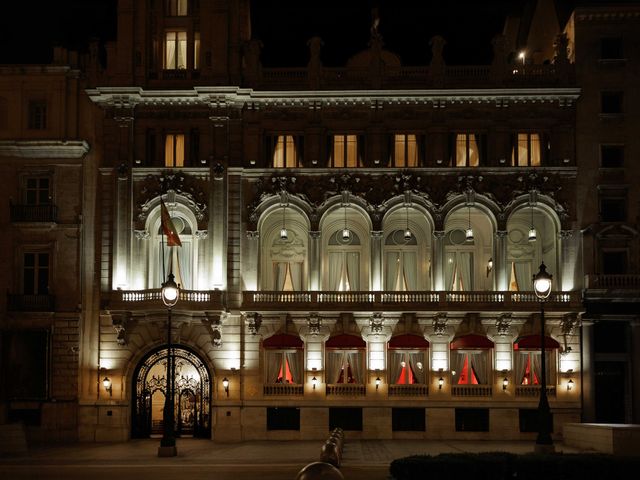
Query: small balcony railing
{"type": "Point", "coordinates": [471, 390]}
{"type": "Point", "coordinates": [34, 213]}
{"type": "Point", "coordinates": [282, 389]}
{"type": "Point", "coordinates": [346, 389]}
{"type": "Point", "coordinates": [30, 303]}
{"type": "Point", "coordinates": [411, 390]}
{"type": "Point", "coordinates": [613, 282]}
{"type": "Point", "coordinates": [534, 391]}
{"type": "Point", "coordinates": [152, 299]}
{"type": "Point", "coordinates": [418, 300]}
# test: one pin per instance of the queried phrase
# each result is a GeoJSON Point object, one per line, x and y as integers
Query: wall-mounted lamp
{"type": "Point", "coordinates": [440, 383]}
{"type": "Point", "coordinates": [225, 384]}
{"type": "Point", "coordinates": [570, 385]}
{"type": "Point", "coordinates": [489, 266]}
{"type": "Point", "coordinates": [522, 56]}
{"type": "Point", "coordinates": [505, 383]}
{"type": "Point", "coordinates": [106, 383]}
{"type": "Point", "coordinates": [378, 382]}
{"type": "Point", "coordinates": [314, 382]}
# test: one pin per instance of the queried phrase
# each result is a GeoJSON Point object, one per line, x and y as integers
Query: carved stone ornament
{"type": "Point", "coordinates": [440, 324]}
{"type": "Point", "coordinates": [376, 323]}
{"type": "Point", "coordinates": [253, 321]}
{"type": "Point", "coordinates": [503, 324]}
{"type": "Point", "coordinates": [315, 324]}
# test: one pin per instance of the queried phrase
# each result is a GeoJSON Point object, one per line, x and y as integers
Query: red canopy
{"type": "Point", "coordinates": [471, 341]}
{"type": "Point", "coordinates": [346, 341]}
{"type": "Point", "coordinates": [283, 340]}
{"type": "Point", "coordinates": [533, 342]}
{"type": "Point", "coordinates": [408, 341]}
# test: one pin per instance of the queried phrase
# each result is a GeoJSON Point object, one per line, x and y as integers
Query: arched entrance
{"type": "Point", "coordinates": [192, 396]}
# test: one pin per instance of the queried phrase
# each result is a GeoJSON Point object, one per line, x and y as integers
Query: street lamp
{"type": "Point", "coordinates": [167, 447]}
{"type": "Point", "coordinates": [542, 287]}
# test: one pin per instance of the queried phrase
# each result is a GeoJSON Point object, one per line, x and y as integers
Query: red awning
{"type": "Point", "coordinates": [282, 340]}
{"type": "Point", "coordinates": [408, 341]}
{"type": "Point", "coordinates": [533, 342]}
{"type": "Point", "coordinates": [471, 341]}
{"type": "Point", "coordinates": [346, 341]}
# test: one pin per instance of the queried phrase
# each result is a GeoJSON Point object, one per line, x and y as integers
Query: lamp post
{"type": "Point", "coordinates": [544, 442]}
{"type": "Point", "coordinates": [167, 447]}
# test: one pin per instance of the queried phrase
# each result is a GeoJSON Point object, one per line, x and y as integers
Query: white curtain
{"type": "Point", "coordinates": [536, 365]}
{"type": "Point", "coordinates": [479, 361]}
{"type": "Point", "coordinates": [449, 270]}
{"type": "Point", "coordinates": [410, 270]}
{"type": "Point", "coordinates": [457, 360]}
{"type": "Point", "coordinates": [163, 268]}
{"type": "Point", "coordinates": [183, 255]}
{"type": "Point", "coordinates": [293, 359]}
{"type": "Point", "coordinates": [279, 275]}
{"type": "Point", "coordinates": [335, 270]}
{"type": "Point", "coordinates": [182, 50]}
{"type": "Point", "coordinates": [273, 364]}
{"type": "Point", "coordinates": [356, 367]}
{"type": "Point", "coordinates": [395, 366]}
{"type": "Point", "coordinates": [521, 366]}
{"type": "Point", "coordinates": [353, 270]}
{"type": "Point", "coordinates": [296, 275]}
{"type": "Point", "coordinates": [392, 269]}
{"type": "Point", "coordinates": [465, 270]}
{"type": "Point", "coordinates": [418, 371]}
{"type": "Point", "coordinates": [335, 362]}
{"type": "Point", "coordinates": [170, 51]}
{"type": "Point", "coordinates": [523, 276]}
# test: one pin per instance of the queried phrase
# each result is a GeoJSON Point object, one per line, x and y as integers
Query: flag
{"type": "Point", "coordinates": [173, 240]}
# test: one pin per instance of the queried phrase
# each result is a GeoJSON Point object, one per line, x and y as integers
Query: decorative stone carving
{"type": "Point", "coordinates": [253, 321]}
{"type": "Point", "coordinates": [315, 324]}
{"type": "Point", "coordinates": [141, 234]}
{"type": "Point", "coordinates": [503, 324]}
{"type": "Point", "coordinates": [440, 324]}
{"type": "Point", "coordinates": [376, 323]}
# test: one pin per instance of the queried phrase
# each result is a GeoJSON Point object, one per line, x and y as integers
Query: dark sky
{"type": "Point", "coordinates": [27, 33]}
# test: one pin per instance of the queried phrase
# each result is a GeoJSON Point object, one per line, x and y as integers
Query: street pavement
{"type": "Point", "coordinates": [203, 459]}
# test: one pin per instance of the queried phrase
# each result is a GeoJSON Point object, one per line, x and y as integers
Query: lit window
{"type": "Point", "coordinates": [37, 115]}
{"type": "Point", "coordinates": [526, 152]}
{"type": "Point", "coordinates": [345, 151]}
{"type": "Point", "coordinates": [35, 274]}
{"type": "Point", "coordinates": [471, 367]}
{"type": "Point", "coordinates": [284, 152]}
{"type": "Point", "coordinates": [177, 8]}
{"type": "Point", "coordinates": [467, 153]}
{"type": "Point", "coordinates": [283, 366]}
{"type": "Point", "coordinates": [174, 150]}
{"type": "Point", "coordinates": [196, 50]}
{"type": "Point", "coordinates": [175, 46]}
{"type": "Point", "coordinates": [405, 152]}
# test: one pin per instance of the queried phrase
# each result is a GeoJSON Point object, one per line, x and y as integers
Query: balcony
{"type": "Point", "coordinates": [533, 391]}
{"type": "Point", "coordinates": [30, 303]}
{"type": "Point", "coordinates": [34, 213]}
{"type": "Point", "coordinates": [346, 389]}
{"type": "Point", "coordinates": [151, 299]}
{"type": "Point", "coordinates": [608, 289]}
{"type": "Point", "coordinates": [410, 390]}
{"type": "Point", "coordinates": [282, 389]}
{"type": "Point", "coordinates": [471, 390]}
{"type": "Point", "coordinates": [401, 301]}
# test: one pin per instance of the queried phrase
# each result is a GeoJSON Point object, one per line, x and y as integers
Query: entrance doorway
{"type": "Point", "coordinates": [192, 396]}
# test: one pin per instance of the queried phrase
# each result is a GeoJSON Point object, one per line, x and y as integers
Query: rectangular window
{"type": "Point", "coordinates": [345, 418]}
{"type": "Point", "coordinates": [345, 151]}
{"type": "Point", "coordinates": [614, 262]}
{"type": "Point", "coordinates": [408, 420]}
{"type": "Point", "coordinates": [611, 156]}
{"type": "Point", "coordinates": [35, 273]}
{"type": "Point", "coordinates": [611, 49]}
{"type": "Point", "coordinates": [37, 115]}
{"type": "Point", "coordinates": [176, 8]}
{"type": "Point", "coordinates": [611, 102]}
{"type": "Point", "coordinates": [526, 150]}
{"type": "Point", "coordinates": [285, 151]}
{"type": "Point", "coordinates": [175, 50]}
{"type": "Point", "coordinates": [467, 151]}
{"type": "Point", "coordinates": [174, 150]}
{"type": "Point", "coordinates": [37, 191]}
{"type": "Point", "coordinates": [405, 151]}
{"type": "Point", "coordinates": [281, 418]}
{"type": "Point", "coordinates": [196, 50]}
{"type": "Point", "coordinates": [613, 209]}
{"type": "Point", "coordinates": [472, 419]}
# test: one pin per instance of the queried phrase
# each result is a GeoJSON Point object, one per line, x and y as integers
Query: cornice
{"type": "Point", "coordinates": [44, 148]}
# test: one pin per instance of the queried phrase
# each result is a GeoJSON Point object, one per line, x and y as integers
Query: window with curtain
{"type": "Point", "coordinates": [520, 276]}
{"type": "Point", "coordinates": [196, 50]}
{"type": "Point", "coordinates": [343, 263]}
{"type": "Point", "coordinates": [345, 151]}
{"type": "Point", "coordinates": [174, 150]}
{"type": "Point", "coordinates": [176, 8]}
{"type": "Point", "coordinates": [287, 276]}
{"type": "Point", "coordinates": [175, 47]}
{"type": "Point", "coordinates": [176, 260]}
{"type": "Point", "coordinates": [526, 151]}
{"type": "Point", "coordinates": [345, 366]}
{"type": "Point", "coordinates": [405, 150]}
{"type": "Point", "coordinates": [458, 270]}
{"type": "Point", "coordinates": [401, 262]}
{"type": "Point", "coordinates": [284, 151]}
{"type": "Point", "coordinates": [283, 366]}
{"type": "Point", "coordinates": [528, 367]}
{"type": "Point", "coordinates": [471, 367]}
{"type": "Point", "coordinates": [467, 153]}
{"type": "Point", "coordinates": [406, 367]}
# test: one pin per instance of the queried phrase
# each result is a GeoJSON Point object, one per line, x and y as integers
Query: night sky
{"type": "Point", "coordinates": [284, 27]}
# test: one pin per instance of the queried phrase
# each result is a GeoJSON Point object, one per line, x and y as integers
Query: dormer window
{"type": "Point", "coordinates": [176, 8]}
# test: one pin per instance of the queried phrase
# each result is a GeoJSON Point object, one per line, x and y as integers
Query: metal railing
{"type": "Point", "coordinates": [346, 389]}
{"type": "Point", "coordinates": [33, 213]}
{"type": "Point", "coordinates": [471, 390]}
{"type": "Point", "coordinates": [411, 390]}
{"type": "Point", "coordinates": [30, 303]}
{"type": "Point", "coordinates": [282, 389]}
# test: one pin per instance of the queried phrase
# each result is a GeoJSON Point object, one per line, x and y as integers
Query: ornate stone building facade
{"type": "Point", "coordinates": [357, 243]}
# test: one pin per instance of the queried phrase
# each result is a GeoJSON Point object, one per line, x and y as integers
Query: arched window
{"type": "Point", "coordinates": [345, 359]}
{"type": "Point", "coordinates": [407, 360]}
{"type": "Point", "coordinates": [470, 360]}
{"type": "Point", "coordinates": [528, 360]}
{"type": "Point", "coordinates": [283, 359]}
{"type": "Point", "coordinates": [401, 262]}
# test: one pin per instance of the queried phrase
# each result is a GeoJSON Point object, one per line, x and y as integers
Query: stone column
{"type": "Point", "coordinates": [251, 260]}
{"type": "Point", "coordinates": [314, 260]}
{"type": "Point", "coordinates": [437, 259]}
{"type": "Point", "coordinates": [376, 260]}
{"type": "Point", "coordinates": [500, 268]}
{"type": "Point", "coordinates": [588, 372]}
{"type": "Point", "coordinates": [568, 259]}
{"type": "Point", "coordinates": [122, 233]}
